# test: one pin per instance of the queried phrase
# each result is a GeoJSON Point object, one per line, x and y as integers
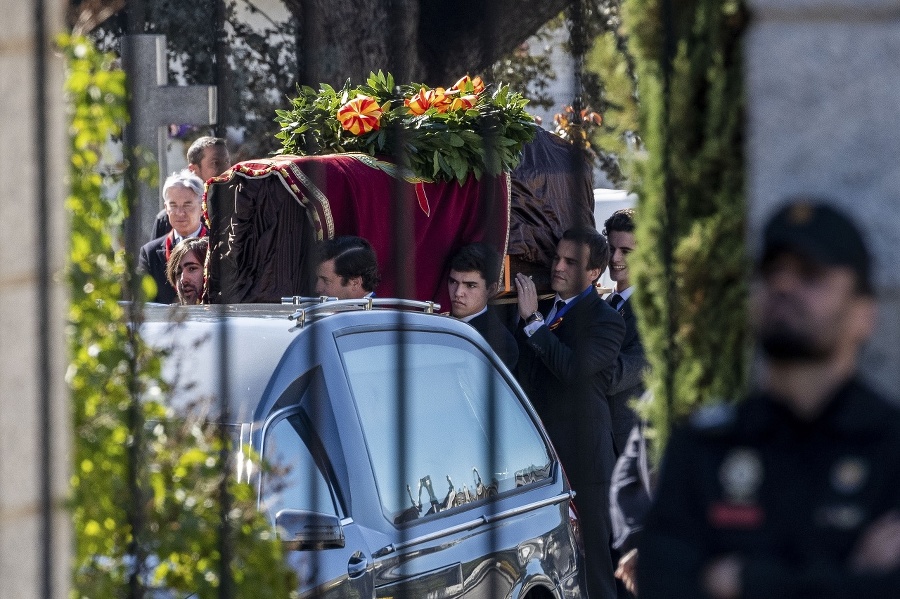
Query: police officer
{"type": "Point", "coordinates": [796, 491]}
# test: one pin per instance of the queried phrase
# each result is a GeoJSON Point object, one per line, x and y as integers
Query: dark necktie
{"type": "Point", "coordinates": [556, 320]}
{"type": "Point", "coordinates": [614, 300]}
{"type": "Point", "coordinates": [559, 306]}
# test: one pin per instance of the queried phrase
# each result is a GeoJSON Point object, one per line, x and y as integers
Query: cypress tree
{"type": "Point", "coordinates": [690, 267]}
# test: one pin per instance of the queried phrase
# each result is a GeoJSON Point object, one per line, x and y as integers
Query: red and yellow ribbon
{"type": "Point", "coordinates": [360, 115]}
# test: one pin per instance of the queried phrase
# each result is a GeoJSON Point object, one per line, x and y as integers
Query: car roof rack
{"type": "Point", "coordinates": [324, 306]}
{"type": "Point", "coordinates": [298, 300]}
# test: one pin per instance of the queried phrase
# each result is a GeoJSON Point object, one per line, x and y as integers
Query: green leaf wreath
{"type": "Point", "coordinates": [444, 134]}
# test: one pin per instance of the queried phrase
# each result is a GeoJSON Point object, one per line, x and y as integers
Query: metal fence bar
{"type": "Point", "coordinates": [489, 210]}
{"type": "Point", "coordinates": [404, 260]}
{"type": "Point", "coordinates": [136, 16]}
{"type": "Point", "coordinates": [226, 533]}
{"type": "Point", "coordinates": [42, 306]}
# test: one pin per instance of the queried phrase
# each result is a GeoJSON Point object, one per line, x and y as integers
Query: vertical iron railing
{"type": "Point", "coordinates": [43, 370]}
{"type": "Point", "coordinates": [226, 536]}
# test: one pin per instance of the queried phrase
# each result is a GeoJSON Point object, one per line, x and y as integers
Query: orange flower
{"type": "Point", "coordinates": [442, 99]}
{"type": "Point", "coordinates": [468, 85]}
{"type": "Point", "coordinates": [424, 99]}
{"type": "Point", "coordinates": [360, 115]}
{"type": "Point", "coordinates": [463, 102]}
{"type": "Point", "coordinates": [420, 102]}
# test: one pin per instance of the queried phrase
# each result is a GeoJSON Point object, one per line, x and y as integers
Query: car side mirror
{"type": "Point", "coordinates": [303, 530]}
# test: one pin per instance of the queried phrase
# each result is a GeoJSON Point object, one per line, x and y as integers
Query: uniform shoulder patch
{"type": "Point", "coordinates": [713, 419]}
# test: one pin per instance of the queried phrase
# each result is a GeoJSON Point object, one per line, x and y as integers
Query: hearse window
{"type": "Point", "coordinates": [454, 455]}
{"type": "Point", "coordinates": [292, 479]}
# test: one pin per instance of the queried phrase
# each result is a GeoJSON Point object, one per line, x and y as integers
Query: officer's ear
{"type": "Point", "coordinates": [493, 288]}
{"type": "Point", "coordinates": [862, 317]}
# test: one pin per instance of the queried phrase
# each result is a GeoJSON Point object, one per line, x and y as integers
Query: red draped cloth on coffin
{"type": "Point", "coordinates": [355, 194]}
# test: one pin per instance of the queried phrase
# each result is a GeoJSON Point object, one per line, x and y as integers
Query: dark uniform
{"type": "Point", "coordinates": [790, 498]}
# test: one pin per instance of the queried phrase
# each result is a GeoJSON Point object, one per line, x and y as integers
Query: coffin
{"type": "Point", "coordinates": [267, 215]}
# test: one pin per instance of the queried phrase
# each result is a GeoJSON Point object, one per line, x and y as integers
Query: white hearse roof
{"type": "Point", "coordinates": [255, 335]}
{"type": "Point", "coordinates": [251, 339]}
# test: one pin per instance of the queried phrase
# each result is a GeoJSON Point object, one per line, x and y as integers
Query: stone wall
{"type": "Point", "coordinates": [21, 525]}
{"type": "Point", "coordinates": [823, 97]}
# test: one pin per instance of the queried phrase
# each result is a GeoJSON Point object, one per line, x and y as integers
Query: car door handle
{"type": "Point", "coordinates": [356, 566]}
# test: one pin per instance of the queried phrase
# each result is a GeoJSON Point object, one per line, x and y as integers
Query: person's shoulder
{"type": "Point", "coordinates": [154, 244]}
{"type": "Point", "coordinates": [714, 420]}
{"type": "Point", "coordinates": [483, 322]}
{"type": "Point", "coordinates": [595, 305]}
{"type": "Point", "coordinates": [605, 313]}
{"type": "Point", "coordinates": [871, 406]}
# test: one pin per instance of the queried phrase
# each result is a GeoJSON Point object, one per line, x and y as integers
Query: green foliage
{"type": "Point", "coordinates": [615, 97]}
{"type": "Point", "coordinates": [609, 85]}
{"type": "Point", "coordinates": [692, 314]}
{"type": "Point", "coordinates": [179, 468]}
{"type": "Point", "coordinates": [439, 144]}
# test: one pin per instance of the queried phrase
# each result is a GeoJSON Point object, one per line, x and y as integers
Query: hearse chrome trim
{"type": "Point", "coordinates": [329, 305]}
{"type": "Point", "coordinates": [480, 521]}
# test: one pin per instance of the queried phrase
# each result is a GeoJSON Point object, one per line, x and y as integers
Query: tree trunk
{"type": "Point", "coordinates": [417, 40]}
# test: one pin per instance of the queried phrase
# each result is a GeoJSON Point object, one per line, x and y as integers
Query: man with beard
{"type": "Point", "coordinates": [794, 492]}
{"type": "Point", "coordinates": [184, 270]}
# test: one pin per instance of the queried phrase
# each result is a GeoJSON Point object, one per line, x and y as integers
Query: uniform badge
{"type": "Point", "coordinates": [741, 474]}
{"type": "Point", "coordinates": [849, 474]}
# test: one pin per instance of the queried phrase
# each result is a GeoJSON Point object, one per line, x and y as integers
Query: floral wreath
{"type": "Point", "coordinates": [444, 134]}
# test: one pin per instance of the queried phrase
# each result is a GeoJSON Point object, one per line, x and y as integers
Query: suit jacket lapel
{"type": "Point", "coordinates": [573, 316]}
{"type": "Point", "coordinates": [626, 310]}
{"type": "Point", "coordinates": [161, 253]}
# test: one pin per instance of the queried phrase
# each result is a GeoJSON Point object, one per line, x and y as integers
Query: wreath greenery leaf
{"type": "Point", "coordinates": [468, 129]}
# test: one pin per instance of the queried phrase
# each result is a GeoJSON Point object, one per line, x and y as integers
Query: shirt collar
{"type": "Point", "coordinates": [564, 301]}
{"type": "Point", "coordinates": [625, 294]}
{"type": "Point", "coordinates": [196, 233]}
{"type": "Point", "coordinates": [472, 316]}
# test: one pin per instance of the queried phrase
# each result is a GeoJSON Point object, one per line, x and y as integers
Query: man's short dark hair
{"type": "Point", "coordinates": [478, 257]}
{"type": "Point", "coordinates": [353, 257]}
{"type": "Point", "coordinates": [621, 221]}
{"type": "Point", "coordinates": [195, 152]}
{"type": "Point", "coordinates": [598, 255]}
{"type": "Point", "coordinates": [192, 245]}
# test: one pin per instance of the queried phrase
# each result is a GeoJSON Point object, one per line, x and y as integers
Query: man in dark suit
{"type": "Point", "coordinates": [473, 280]}
{"type": "Point", "coordinates": [207, 158]}
{"type": "Point", "coordinates": [566, 362]}
{"type": "Point", "coordinates": [182, 194]}
{"type": "Point", "coordinates": [628, 376]}
{"type": "Point", "coordinates": [630, 492]}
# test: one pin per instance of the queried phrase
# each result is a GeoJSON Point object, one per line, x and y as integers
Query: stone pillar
{"type": "Point", "coordinates": [22, 387]}
{"type": "Point", "coordinates": [823, 98]}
